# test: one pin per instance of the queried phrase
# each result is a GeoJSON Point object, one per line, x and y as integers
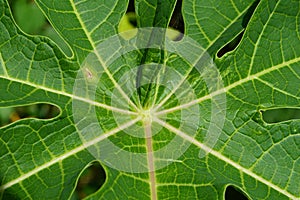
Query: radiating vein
{"type": "Point", "coordinates": [58, 159]}
{"type": "Point", "coordinates": [276, 88]}
{"type": "Point", "coordinates": [89, 101]}
{"type": "Point", "coordinates": [198, 23]}
{"type": "Point", "coordinates": [150, 159]}
{"type": "Point", "coordinates": [234, 6]}
{"type": "Point", "coordinates": [200, 56]}
{"type": "Point", "coordinates": [103, 64]}
{"type": "Point", "coordinates": [258, 40]}
{"type": "Point", "coordinates": [209, 150]}
{"type": "Point", "coordinates": [229, 87]}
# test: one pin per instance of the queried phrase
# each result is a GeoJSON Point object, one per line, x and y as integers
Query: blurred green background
{"type": "Point", "coordinates": [32, 21]}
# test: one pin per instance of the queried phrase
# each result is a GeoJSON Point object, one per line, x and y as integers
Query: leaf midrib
{"type": "Point", "coordinates": [169, 127]}
{"type": "Point", "coordinates": [233, 85]}
{"type": "Point", "coordinates": [211, 43]}
{"type": "Point", "coordinates": [74, 97]}
{"type": "Point", "coordinates": [89, 37]}
{"type": "Point", "coordinates": [223, 158]}
{"type": "Point", "coordinates": [200, 145]}
{"type": "Point", "coordinates": [70, 153]}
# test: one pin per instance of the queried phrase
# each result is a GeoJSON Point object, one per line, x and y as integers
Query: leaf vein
{"type": "Point", "coordinates": [89, 37]}
{"type": "Point", "coordinates": [70, 95]}
{"type": "Point", "coordinates": [259, 40]}
{"type": "Point", "coordinates": [229, 87]}
{"type": "Point", "coordinates": [223, 158]}
{"type": "Point", "coordinates": [58, 159]}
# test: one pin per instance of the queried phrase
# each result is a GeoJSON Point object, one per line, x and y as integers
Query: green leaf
{"type": "Point", "coordinates": [28, 16]}
{"type": "Point", "coordinates": [154, 13]}
{"type": "Point", "coordinates": [193, 128]}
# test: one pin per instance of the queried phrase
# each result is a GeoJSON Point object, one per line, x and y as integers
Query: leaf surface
{"type": "Point", "coordinates": [218, 143]}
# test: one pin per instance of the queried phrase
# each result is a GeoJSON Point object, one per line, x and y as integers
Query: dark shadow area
{"type": "Point", "coordinates": [176, 21]}
{"type": "Point", "coordinates": [249, 13]}
{"type": "Point", "coordinates": [90, 181]}
{"type": "Point", "coordinates": [230, 46]}
{"type": "Point", "coordinates": [9, 196]}
{"type": "Point", "coordinates": [128, 21]}
{"type": "Point", "coordinates": [280, 114]}
{"type": "Point", "coordinates": [40, 111]}
{"type": "Point", "coordinates": [233, 193]}
{"type": "Point", "coordinates": [131, 6]}
{"type": "Point", "coordinates": [132, 19]}
{"type": "Point", "coordinates": [131, 13]}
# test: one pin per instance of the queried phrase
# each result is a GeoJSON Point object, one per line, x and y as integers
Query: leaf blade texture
{"type": "Point", "coordinates": [42, 159]}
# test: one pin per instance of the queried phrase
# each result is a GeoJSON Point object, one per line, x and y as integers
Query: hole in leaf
{"type": "Point", "coordinates": [90, 181]}
{"type": "Point", "coordinates": [128, 22]}
{"type": "Point", "coordinates": [233, 193]}
{"type": "Point", "coordinates": [31, 20]}
{"type": "Point", "coordinates": [236, 41]}
{"type": "Point", "coordinates": [280, 114]}
{"type": "Point", "coordinates": [231, 45]}
{"type": "Point", "coordinates": [249, 14]}
{"type": "Point", "coordinates": [41, 111]}
{"type": "Point", "coordinates": [177, 23]}
{"type": "Point", "coordinates": [131, 9]}
{"type": "Point", "coordinates": [132, 19]}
